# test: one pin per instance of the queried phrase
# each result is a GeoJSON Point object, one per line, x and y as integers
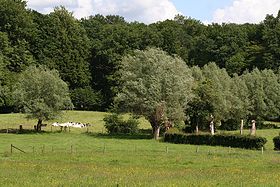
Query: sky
{"type": "Point", "coordinates": [150, 11]}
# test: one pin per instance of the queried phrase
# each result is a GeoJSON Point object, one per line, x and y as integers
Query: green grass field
{"type": "Point", "coordinates": [76, 158]}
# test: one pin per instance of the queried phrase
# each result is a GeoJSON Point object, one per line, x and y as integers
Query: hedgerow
{"type": "Point", "coordinates": [246, 142]}
{"type": "Point", "coordinates": [276, 141]}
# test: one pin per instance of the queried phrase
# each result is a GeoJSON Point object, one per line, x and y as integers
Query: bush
{"type": "Point", "coordinates": [116, 125]}
{"type": "Point", "coordinates": [247, 142]}
{"type": "Point", "coordinates": [264, 125]}
{"type": "Point", "coordinates": [276, 141]}
{"type": "Point", "coordinates": [173, 130]}
{"type": "Point", "coordinates": [230, 125]}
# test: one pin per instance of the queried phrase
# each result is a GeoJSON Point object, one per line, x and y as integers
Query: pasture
{"type": "Point", "coordinates": [77, 158]}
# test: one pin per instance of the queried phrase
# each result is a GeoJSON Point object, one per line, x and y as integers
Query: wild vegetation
{"type": "Point", "coordinates": [176, 73]}
{"type": "Point", "coordinates": [88, 52]}
{"type": "Point", "coordinates": [76, 158]}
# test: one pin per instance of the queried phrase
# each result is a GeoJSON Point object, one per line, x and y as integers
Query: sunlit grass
{"type": "Point", "coordinates": [76, 158]}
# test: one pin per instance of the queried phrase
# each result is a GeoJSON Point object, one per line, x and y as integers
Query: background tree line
{"type": "Point", "coordinates": [87, 53]}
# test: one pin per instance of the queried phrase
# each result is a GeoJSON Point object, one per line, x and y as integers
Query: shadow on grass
{"type": "Point", "coordinates": [26, 131]}
{"type": "Point", "coordinates": [142, 134]}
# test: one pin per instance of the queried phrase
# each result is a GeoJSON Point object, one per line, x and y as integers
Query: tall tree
{"type": "Point", "coordinates": [263, 90]}
{"type": "Point", "coordinates": [41, 94]}
{"type": "Point", "coordinates": [213, 97]}
{"type": "Point", "coordinates": [16, 22]}
{"type": "Point", "coordinates": [62, 43]}
{"type": "Point", "coordinates": [154, 85]}
{"type": "Point", "coordinates": [271, 41]}
{"type": "Point", "coordinates": [111, 38]}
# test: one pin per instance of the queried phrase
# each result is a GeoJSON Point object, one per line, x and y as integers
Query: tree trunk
{"type": "Point", "coordinates": [39, 125]}
{"type": "Point", "coordinates": [156, 132]}
{"type": "Point", "coordinates": [196, 127]}
{"type": "Point", "coordinates": [212, 128]}
{"type": "Point", "coordinates": [241, 127]}
{"type": "Point", "coordinates": [155, 127]}
{"type": "Point", "coordinates": [253, 129]}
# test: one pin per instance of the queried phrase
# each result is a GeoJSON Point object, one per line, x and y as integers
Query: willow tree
{"type": "Point", "coordinates": [263, 92]}
{"type": "Point", "coordinates": [154, 85]}
{"type": "Point", "coordinates": [42, 94]}
{"type": "Point", "coordinates": [213, 96]}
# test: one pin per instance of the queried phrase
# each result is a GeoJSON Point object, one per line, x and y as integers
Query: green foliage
{"type": "Point", "coordinates": [86, 99]}
{"type": "Point", "coordinates": [16, 20]}
{"type": "Point", "coordinates": [88, 53]}
{"type": "Point", "coordinates": [62, 44]}
{"type": "Point", "coordinates": [271, 38]}
{"type": "Point", "coordinates": [229, 125]}
{"type": "Point", "coordinates": [112, 38]}
{"type": "Point", "coordinates": [173, 130]}
{"type": "Point", "coordinates": [276, 141]}
{"type": "Point", "coordinates": [266, 125]}
{"type": "Point", "coordinates": [154, 85]}
{"type": "Point", "coordinates": [247, 142]}
{"type": "Point", "coordinates": [263, 92]}
{"type": "Point", "coordinates": [215, 94]}
{"type": "Point", "coordinates": [41, 93]}
{"type": "Point", "coordinates": [116, 125]}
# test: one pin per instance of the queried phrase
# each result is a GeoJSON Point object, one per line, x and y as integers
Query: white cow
{"type": "Point", "coordinates": [55, 124]}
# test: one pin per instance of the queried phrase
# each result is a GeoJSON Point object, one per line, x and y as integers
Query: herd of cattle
{"type": "Point", "coordinates": [70, 124]}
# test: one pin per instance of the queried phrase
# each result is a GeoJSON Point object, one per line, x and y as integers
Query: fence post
{"type": "Point", "coordinates": [11, 148]}
{"type": "Point", "coordinates": [197, 149]}
{"type": "Point", "coordinates": [71, 149]}
{"type": "Point", "coordinates": [166, 149]}
{"type": "Point", "coordinates": [104, 148]}
{"type": "Point", "coordinates": [262, 150]}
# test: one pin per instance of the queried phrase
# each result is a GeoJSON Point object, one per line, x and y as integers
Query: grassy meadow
{"type": "Point", "coordinates": [77, 158]}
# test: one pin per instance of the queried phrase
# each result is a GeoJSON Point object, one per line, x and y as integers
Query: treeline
{"type": "Point", "coordinates": [87, 52]}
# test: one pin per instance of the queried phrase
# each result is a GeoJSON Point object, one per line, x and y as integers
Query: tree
{"type": "Point", "coordinates": [213, 97]}
{"type": "Point", "coordinates": [271, 41]}
{"type": "Point", "coordinates": [61, 43]}
{"type": "Point", "coordinates": [263, 92]}
{"type": "Point", "coordinates": [16, 22]}
{"type": "Point", "coordinates": [41, 94]}
{"type": "Point", "coordinates": [86, 99]}
{"type": "Point", "coordinates": [154, 85]}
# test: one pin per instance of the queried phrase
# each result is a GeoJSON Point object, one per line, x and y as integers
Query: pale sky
{"type": "Point", "coordinates": [149, 11]}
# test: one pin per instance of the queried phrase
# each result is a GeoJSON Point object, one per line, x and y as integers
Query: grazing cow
{"type": "Point", "coordinates": [55, 124]}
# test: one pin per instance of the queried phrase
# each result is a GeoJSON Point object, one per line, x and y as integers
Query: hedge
{"type": "Point", "coordinates": [116, 125]}
{"type": "Point", "coordinates": [246, 142]}
{"type": "Point", "coordinates": [276, 141]}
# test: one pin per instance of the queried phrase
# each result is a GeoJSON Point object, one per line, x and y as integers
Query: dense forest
{"type": "Point", "coordinates": [87, 52]}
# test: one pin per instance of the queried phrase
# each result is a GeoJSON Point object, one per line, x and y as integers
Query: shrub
{"type": "Point", "coordinates": [116, 125]}
{"type": "Point", "coordinates": [173, 130]}
{"type": "Point", "coordinates": [276, 141]}
{"type": "Point", "coordinates": [247, 142]}
{"type": "Point", "coordinates": [264, 125]}
{"type": "Point", "coordinates": [230, 125]}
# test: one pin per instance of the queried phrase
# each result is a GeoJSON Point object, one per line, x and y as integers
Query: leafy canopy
{"type": "Point", "coordinates": [152, 82]}
{"type": "Point", "coordinates": [41, 93]}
